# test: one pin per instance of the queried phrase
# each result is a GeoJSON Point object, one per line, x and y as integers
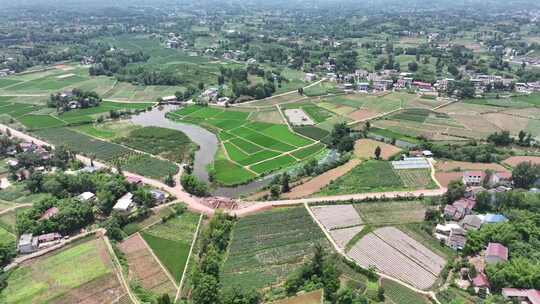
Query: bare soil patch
{"type": "Point", "coordinates": [362, 114]}
{"type": "Point", "coordinates": [456, 166]}
{"type": "Point", "coordinates": [365, 148]}
{"type": "Point", "coordinates": [444, 178]}
{"type": "Point", "coordinates": [144, 267]}
{"type": "Point", "coordinates": [318, 182]}
{"type": "Point", "coordinates": [515, 160]}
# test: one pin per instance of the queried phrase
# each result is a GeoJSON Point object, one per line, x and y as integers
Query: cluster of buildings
{"type": "Point", "coordinates": [6, 72]}
{"type": "Point", "coordinates": [460, 216]}
{"type": "Point", "coordinates": [175, 41]}
{"type": "Point", "coordinates": [29, 243]}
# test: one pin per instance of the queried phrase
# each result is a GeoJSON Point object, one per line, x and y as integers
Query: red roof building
{"type": "Point", "coordinates": [531, 296]}
{"type": "Point", "coordinates": [49, 213]}
{"type": "Point", "coordinates": [49, 237]}
{"type": "Point", "coordinates": [134, 180]}
{"type": "Point", "coordinates": [480, 280]}
{"type": "Point", "coordinates": [496, 253]}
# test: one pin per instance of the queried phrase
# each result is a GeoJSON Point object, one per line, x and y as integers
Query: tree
{"type": "Point", "coordinates": [285, 187]}
{"type": "Point", "coordinates": [525, 174]}
{"type": "Point", "coordinates": [300, 91]}
{"type": "Point", "coordinates": [169, 180]}
{"type": "Point", "coordinates": [413, 66]}
{"type": "Point", "coordinates": [274, 191]}
{"type": "Point", "coordinates": [206, 291]}
{"type": "Point", "coordinates": [194, 186]}
{"type": "Point", "coordinates": [378, 152]}
{"type": "Point", "coordinates": [456, 190]}
{"type": "Point", "coordinates": [380, 294]}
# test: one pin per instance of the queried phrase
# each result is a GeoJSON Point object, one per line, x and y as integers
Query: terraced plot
{"type": "Point", "coordinates": [267, 246]}
{"type": "Point", "coordinates": [249, 148]}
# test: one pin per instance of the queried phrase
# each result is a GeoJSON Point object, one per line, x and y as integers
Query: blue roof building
{"type": "Point", "coordinates": [494, 218]}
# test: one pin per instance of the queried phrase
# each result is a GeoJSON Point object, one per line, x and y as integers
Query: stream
{"type": "Point", "coordinates": [208, 146]}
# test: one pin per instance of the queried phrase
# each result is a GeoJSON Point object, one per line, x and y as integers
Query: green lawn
{"type": "Point", "coordinates": [48, 278]}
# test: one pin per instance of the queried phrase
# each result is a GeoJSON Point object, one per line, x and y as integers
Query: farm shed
{"type": "Point", "coordinates": [27, 243]}
{"type": "Point", "coordinates": [125, 203]}
{"type": "Point", "coordinates": [411, 163]}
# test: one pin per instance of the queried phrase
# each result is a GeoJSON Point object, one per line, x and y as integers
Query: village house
{"type": "Point", "coordinates": [457, 238]}
{"type": "Point", "coordinates": [133, 180]}
{"type": "Point", "coordinates": [422, 86]}
{"type": "Point", "coordinates": [473, 178]}
{"type": "Point", "coordinates": [125, 204]}
{"type": "Point", "coordinates": [500, 178]}
{"type": "Point", "coordinates": [459, 209]}
{"type": "Point", "coordinates": [471, 222]}
{"type": "Point", "coordinates": [209, 94]}
{"type": "Point", "coordinates": [48, 239]}
{"type": "Point", "coordinates": [480, 281]}
{"type": "Point", "coordinates": [363, 86]}
{"type": "Point", "coordinates": [471, 192]}
{"type": "Point", "coordinates": [522, 296]}
{"type": "Point", "coordinates": [159, 196]}
{"type": "Point", "coordinates": [496, 253]}
{"type": "Point", "coordinates": [27, 243]}
{"type": "Point", "coordinates": [86, 197]}
{"type": "Point", "coordinates": [309, 77]}
{"type": "Point", "coordinates": [442, 232]}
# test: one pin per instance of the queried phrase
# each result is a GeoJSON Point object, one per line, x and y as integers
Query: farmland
{"type": "Point", "coordinates": [171, 242]}
{"type": "Point", "coordinates": [111, 153]}
{"type": "Point", "coordinates": [396, 254]}
{"type": "Point", "coordinates": [81, 272]}
{"type": "Point", "coordinates": [249, 148]}
{"type": "Point", "coordinates": [391, 212]}
{"type": "Point", "coordinates": [144, 268]}
{"type": "Point", "coordinates": [365, 149]}
{"type": "Point", "coordinates": [267, 246]}
{"type": "Point", "coordinates": [377, 176]}
{"type": "Point", "coordinates": [397, 293]}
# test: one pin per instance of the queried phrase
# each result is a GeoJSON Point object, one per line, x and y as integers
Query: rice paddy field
{"type": "Point", "coordinates": [249, 148]}
{"type": "Point", "coordinates": [114, 154]}
{"type": "Point", "coordinates": [267, 246]}
{"type": "Point", "coordinates": [83, 272]}
{"type": "Point", "coordinates": [378, 176]}
{"type": "Point", "coordinates": [171, 241]}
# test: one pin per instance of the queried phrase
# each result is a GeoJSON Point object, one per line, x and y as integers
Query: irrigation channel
{"type": "Point", "coordinates": [208, 146]}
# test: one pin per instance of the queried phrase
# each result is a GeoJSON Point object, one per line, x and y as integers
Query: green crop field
{"type": "Point", "coordinates": [268, 246]}
{"type": "Point", "coordinates": [398, 293]}
{"type": "Point", "coordinates": [52, 276]}
{"type": "Point", "coordinates": [312, 132]}
{"type": "Point", "coordinates": [111, 153]}
{"type": "Point", "coordinates": [416, 115]}
{"type": "Point", "coordinates": [391, 212]}
{"type": "Point", "coordinates": [171, 241]}
{"type": "Point", "coordinates": [170, 144]}
{"type": "Point", "coordinates": [370, 176]}
{"type": "Point", "coordinates": [6, 237]}
{"type": "Point", "coordinates": [36, 122]}
{"type": "Point", "coordinates": [249, 148]}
